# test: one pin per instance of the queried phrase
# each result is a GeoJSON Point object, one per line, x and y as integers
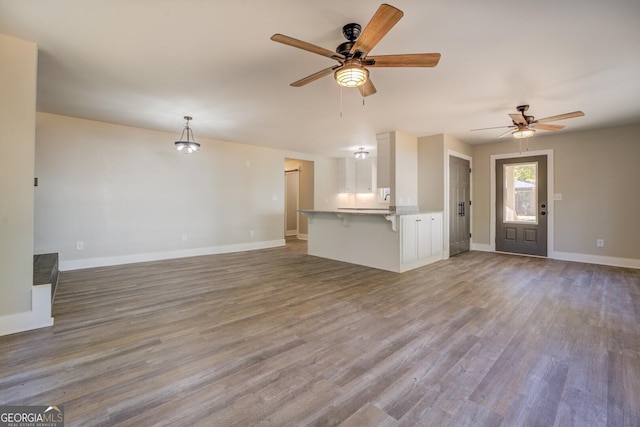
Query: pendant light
{"type": "Point", "coordinates": [361, 154]}
{"type": "Point", "coordinates": [190, 145]}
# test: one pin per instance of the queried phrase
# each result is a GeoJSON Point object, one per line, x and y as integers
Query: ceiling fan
{"type": "Point", "coordinates": [351, 55]}
{"type": "Point", "coordinates": [525, 126]}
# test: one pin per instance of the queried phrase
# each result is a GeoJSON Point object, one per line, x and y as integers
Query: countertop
{"type": "Point", "coordinates": [362, 211]}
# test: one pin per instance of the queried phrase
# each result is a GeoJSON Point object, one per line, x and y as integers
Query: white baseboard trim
{"type": "Point", "coordinates": [597, 259]}
{"type": "Point", "coordinates": [289, 233]}
{"type": "Point", "coordinates": [303, 237]}
{"type": "Point", "coordinates": [570, 256]}
{"type": "Point", "coordinates": [38, 317]}
{"type": "Point", "coordinates": [480, 247]}
{"type": "Point", "coordinates": [80, 264]}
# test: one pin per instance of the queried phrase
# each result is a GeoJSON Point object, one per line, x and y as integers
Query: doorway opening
{"type": "Point", "coordinates": [298, 194]}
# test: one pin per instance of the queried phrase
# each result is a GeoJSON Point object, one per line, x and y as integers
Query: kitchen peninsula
{"type": "Point", "coordinates": [378, 238]}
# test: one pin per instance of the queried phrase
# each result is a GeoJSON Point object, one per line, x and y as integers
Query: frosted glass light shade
{"type": "Point", "coordinates": [351, 75]}
{"type": "Point", "coordinates": [523, 133]}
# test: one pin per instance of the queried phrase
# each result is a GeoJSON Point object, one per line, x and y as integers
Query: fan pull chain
{"type": "Point", "coordinates": [340, 101]}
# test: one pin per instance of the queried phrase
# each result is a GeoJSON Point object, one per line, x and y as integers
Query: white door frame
{"type": "Point", "coordinates": [550, 196]}
{"type": "Point", "coordinates": [295, 173]}
{"type": "Point", "coordinates": [447, 198]}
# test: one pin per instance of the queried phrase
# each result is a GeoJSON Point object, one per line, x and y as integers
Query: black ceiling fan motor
{"type": "Point", "coordinates": [522, 109]}
{"type": "Point", "coordinates": [351, 32]}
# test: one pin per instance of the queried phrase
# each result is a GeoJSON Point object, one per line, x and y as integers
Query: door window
{"type": "Point", "coordinates": [520, 193]}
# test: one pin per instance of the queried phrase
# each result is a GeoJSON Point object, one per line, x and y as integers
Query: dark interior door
{"type": "Point", "coordinates": [521, 205]}
{"type": "Point", "coordinates": [459, 205]}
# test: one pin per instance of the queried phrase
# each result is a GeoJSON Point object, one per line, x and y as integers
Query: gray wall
{"type": "Point", "coordinates": [597, 174]}
{"type": "Point", "coordinates": [431, 173]}
{"type": "Point", "coordinates": [126, 191]}
{"type": "Point", "coordinates": [17, 142]}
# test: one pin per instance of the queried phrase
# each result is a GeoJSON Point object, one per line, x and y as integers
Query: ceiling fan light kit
{"type": "Point", "coordinates": [523, 133]}
{"type": "Point", "coordinates": [189, 145]}
{"type": "Point", "coordinates": [351, 74]}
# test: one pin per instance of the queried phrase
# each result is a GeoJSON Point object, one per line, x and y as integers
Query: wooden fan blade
{"type": "Point", "coordinates": [518, 118]}
{"type": "Point", "coordinates": [384, 19]}
{"type": "Point", "coordinates": [495, 127]}
{"type": "Point", "coordinates": [408, 60]}
{"type": "Point", "coordinates": [502, 135]}
{"type": "Point", "coordinates": [561, 117]}
{"type": "Point", "coordinates": [315, 76]}
{"type": "Point", "coordinates": [290, 41]}
{"type": "Point", "coordinates": [548, 127]}
{"type": "Point", "coordinates": [367, 88]}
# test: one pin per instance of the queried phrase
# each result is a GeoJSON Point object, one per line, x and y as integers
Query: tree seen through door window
{"type": "Point", "coordinates": [520, 192]}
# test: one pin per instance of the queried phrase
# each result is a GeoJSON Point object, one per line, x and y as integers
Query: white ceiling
{"type": "Point", "coordinates": [147, 63]}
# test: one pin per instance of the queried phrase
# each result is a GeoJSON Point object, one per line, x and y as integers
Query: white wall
{"type": "Point", "coordinates": [128, 195]}
{"type": "Point", "coordinates": [17, 121]}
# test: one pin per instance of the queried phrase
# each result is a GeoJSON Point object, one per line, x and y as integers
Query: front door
{"type": "Point", "coordinates": [521, 205]}
{"type": "Point", "coordinates": [459, 205]}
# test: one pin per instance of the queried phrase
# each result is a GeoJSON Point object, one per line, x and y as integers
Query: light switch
{"type": "Point", "coordinates": [557, 196]}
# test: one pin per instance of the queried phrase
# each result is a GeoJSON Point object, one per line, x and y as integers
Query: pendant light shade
{"type": "Point", "coordinates": [189, 145]}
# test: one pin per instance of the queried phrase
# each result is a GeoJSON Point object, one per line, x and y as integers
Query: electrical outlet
{"type": "Point", "coordinates": [600, 243]}
{"type": "Point", "coordinates": [251, 233]}
{"type": "Point", "coordinates": [79, 245]}
{"type": "Point", "coordinates": [185, 237]}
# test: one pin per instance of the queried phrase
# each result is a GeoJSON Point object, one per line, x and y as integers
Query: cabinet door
{"type": "Point", "coordinates": [364, 175]}
{"type": "Point", "coordinates": [409, 227]}
{"type": "Point", "coordinates": [436, 233]}
{"type": "Point", "coordinates": [424, 235]}
{"type": "Point", "coordinates": [346, 176]}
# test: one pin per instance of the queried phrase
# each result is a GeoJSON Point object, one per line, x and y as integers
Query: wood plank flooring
{"type": "Point", "coordinates": [279, 338]}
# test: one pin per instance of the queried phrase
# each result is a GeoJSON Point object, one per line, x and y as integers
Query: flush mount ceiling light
{"type": "Point", "coordinates": [523, 133]}
{"type": "Point", "coordinates": [190, 145]}
{"type": "Point", "coordinates": [351, 74]}
{"type": "Point", "coordinates": [361, 154]}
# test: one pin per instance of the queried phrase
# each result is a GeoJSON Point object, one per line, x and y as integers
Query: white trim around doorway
{"type": "Point", "coordinates": [445, 225]}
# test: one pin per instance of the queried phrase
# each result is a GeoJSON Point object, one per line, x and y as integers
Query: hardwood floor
{"type": "Point", "coordinates": [276, 337]}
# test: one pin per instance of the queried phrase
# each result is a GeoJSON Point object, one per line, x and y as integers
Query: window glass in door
{"type": "Point", "coordinates": [520, 193]}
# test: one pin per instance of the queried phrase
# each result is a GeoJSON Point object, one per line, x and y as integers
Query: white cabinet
{"type": "Point", "coordinates": [346, 176]}
{"type": "Point", "coordinates": [436, 234]}
{"type": "Point", "coordinates": [421, 237]}
{"type": "Point", "coordinates": [356, 175]}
